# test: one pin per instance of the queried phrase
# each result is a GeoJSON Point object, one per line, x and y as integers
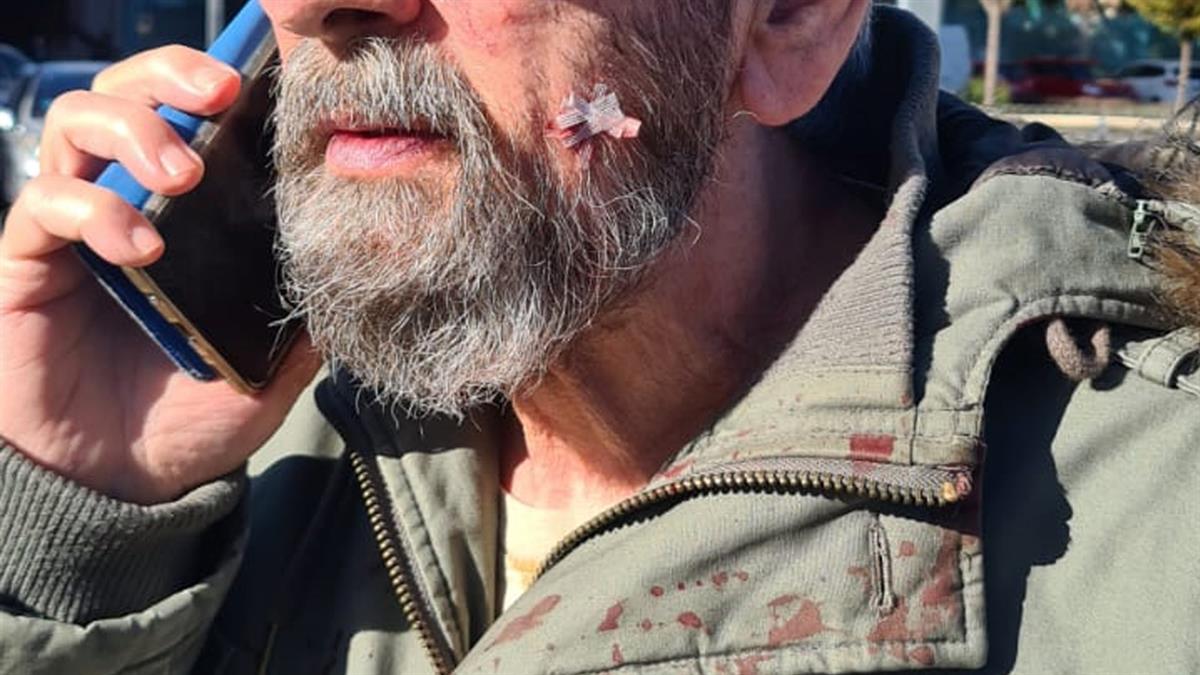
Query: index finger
{"type": "Point", "coordinates": [178, 76]}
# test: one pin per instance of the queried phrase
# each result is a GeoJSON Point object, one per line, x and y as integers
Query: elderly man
{"type": "Point", "coordinates": [703, 388]}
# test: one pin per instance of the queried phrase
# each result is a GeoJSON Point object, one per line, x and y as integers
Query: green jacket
{"type": "Point", "coordinates": [841, 517]}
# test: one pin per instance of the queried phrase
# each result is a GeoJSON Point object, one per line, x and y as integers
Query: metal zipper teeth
{"type": "Point", "coordinates": [743, 481]}
{"type": "Point", "coordinates": [398, 573]}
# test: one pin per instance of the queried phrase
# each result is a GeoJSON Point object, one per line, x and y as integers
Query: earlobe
{"type": "Point", "coordinates": [794, 51]}
{"type": "Point", "coordinates": [757, 89]}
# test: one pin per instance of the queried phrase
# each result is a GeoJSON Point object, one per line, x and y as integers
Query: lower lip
{"type": "Point", "coordinates": [365, 155]}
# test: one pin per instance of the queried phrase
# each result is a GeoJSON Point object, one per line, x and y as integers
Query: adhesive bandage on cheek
{"type": "Point", "coordinates": [580, 120]}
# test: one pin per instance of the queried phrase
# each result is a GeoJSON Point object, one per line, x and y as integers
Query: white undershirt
{"type": "Point", "coordinates": [527, 534]}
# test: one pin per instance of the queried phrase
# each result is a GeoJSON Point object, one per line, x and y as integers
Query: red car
{"type": "Point", "coordinates": [1042, 79]}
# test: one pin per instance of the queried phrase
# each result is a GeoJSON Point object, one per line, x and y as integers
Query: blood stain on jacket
{"type": "Point", "coordinates": [521, 625]}
{"type": "Point", "coordinates": [690, 620]}
{"type": "Point", "coordinates": [612, 618]}
{"type": "Point", "coordinates": [943, 578]}
{"type": "Point", "coordinates": [894, 626]}
{"type": "Point", "coordinates": [803, 623]}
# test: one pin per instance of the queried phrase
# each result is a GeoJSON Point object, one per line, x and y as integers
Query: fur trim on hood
{"type": "Point", "coordinates": [1168, 168]}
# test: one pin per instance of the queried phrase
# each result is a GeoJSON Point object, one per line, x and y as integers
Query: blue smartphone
{"type": "Point", "coordinates": [212, 302]}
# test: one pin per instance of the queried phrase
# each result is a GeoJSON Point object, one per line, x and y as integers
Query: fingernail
{"type": "Point", "coordinates": [178, 160]}
{"type": "Point", "coordinates": [145, 239]}
{"type": "Point", "coordinates": [209, 79]}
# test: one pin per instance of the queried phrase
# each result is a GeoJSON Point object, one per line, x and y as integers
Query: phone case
{"type": "Point", "coordinates": [236, 46]}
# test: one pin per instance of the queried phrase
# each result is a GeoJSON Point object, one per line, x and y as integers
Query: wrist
{"type": "Point", "coordinates": [69, 553]}
{"type": "Point", "coordinates": [99, 470]}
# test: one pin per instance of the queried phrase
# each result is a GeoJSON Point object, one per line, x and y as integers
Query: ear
{"type": "Point", "coordinates": [793, 51]}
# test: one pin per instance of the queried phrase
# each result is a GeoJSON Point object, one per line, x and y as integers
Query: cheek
{"type": "Point", "coordinates": [493, 26]}
{"type": "Point", "coordinates": [515, 53]}
{"type": "Point", "coordinates": [286, 41]}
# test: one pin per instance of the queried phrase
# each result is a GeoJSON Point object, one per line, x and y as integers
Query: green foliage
{"type": "Point", "coordinates": [974, 91]}
{"type": "Point", "coordinates": [1177, 17]}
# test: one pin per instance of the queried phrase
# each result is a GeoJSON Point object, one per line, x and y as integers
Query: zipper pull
{"type": "Point", "coordinates": [1144, 223]}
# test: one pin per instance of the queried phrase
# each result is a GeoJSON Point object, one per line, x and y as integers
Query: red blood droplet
{"type": "Point", "coordinates": [646, 625]}
{"type": "Point", "coordinates": [720, 579]}
{"type": "Point", "coordinates": [617, 657]}
{"type": "Point", "coordinates": [657, 591]}
{"type": "Point", "coordinates": [741, 575]}
{"type": "Point", "coordinates": [907, 549]}
{"type": "Point", "coordinates": [690, 620]}
{"type": "Point", "coordinates": [612, 618]}
{"type": "Point", "coordinates": [681, 586]}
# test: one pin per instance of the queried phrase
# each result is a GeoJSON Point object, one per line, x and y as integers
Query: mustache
{"type": "Point", "coordinates": [377, 83]}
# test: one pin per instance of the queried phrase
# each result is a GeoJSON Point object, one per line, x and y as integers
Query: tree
{"type": "Point", "coordinates": [995, 10]}
{"type": "Point", "coordinates": [1180, 18]}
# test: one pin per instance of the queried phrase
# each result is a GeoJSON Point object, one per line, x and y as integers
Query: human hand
{"type": "Point", "coordinates": [85, 392]}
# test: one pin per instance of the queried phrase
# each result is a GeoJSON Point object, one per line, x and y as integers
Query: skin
{"type": "Point", "coordinates": [89, 397]}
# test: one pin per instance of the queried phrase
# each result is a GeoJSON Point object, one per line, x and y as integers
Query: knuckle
{"type": "Point", "coordinates": [173, 52]}
{"type": "Point", "coordinates": [66, 104]}
{"type": "Point", "coordinates": [101, 207]}
{"type": "Point", "coordinates": [157, 62]}
{"type": "Point", "coordinates": [123, 128]}
{"type": "Point", "coordinates": [169, 60]}
{"type": "Point", "coordinates": [36, 191]}
{"type": "Point", "coordinates": [30, 203]}
{"type": "Point", "coordinates": [102, 82]}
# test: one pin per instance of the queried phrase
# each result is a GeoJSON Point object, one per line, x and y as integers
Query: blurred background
{"type": "Point", "coordinates": [1099, 70]}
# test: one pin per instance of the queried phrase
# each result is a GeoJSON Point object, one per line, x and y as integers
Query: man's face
{"type": "Point", "coordinates": [442, 246]}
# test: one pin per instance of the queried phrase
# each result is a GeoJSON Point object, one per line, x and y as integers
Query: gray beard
{"type": "Point", "coordinates": [439, 299]}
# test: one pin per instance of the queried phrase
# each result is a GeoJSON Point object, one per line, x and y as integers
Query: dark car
{"type": "Point", "coordinates": [1038, 80]}
{"type": "Point", "coordinates": [25, 111]}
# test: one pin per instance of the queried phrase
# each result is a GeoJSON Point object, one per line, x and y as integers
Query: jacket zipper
{"type": "Point", "coordinates": [951, 485]}
{"type": "Point", "coordinates": [387, 538]}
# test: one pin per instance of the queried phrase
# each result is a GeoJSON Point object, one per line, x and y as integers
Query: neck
{"type": "Point", "coordinates": [774, 232]}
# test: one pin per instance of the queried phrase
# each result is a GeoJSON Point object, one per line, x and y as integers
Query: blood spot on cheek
{"type": "Point", "coordinates": [484, 25]}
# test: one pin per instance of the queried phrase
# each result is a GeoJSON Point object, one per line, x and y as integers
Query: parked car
{"type": "Point", "coordinates": [26, 109]}
{"type": "Point", "coordinates": [1041, 79]}
{"type": "Point", "coordinates": [1157, 79]}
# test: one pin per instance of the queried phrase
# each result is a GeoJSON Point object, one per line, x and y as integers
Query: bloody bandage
{"type": "Point", "coordinates": [581, 119]}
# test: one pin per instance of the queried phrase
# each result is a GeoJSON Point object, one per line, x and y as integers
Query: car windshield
{"type": "Point", "coordinates": [54, 83]}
